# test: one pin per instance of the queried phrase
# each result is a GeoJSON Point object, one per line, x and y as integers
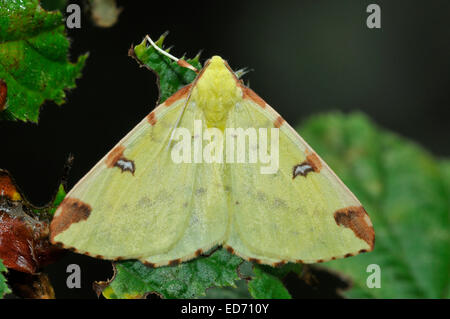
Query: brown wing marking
{"type": "Point", "coordinates": [311, 164]}
{"type": "Point", "coordinates": [357, 219]}
{"type": "Point", "coordinates": [116, 159]}
{"type": "Point", "coordinates": [72, 211]}
{"type": "Point", "coordinates": [181, 93]}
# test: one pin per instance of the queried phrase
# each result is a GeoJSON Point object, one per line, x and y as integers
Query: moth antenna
{"type": "Point", "coordinates": [180, 62]}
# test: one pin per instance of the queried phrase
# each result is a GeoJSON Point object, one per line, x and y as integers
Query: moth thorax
{"type": "Point", "coordinates": [216, 92]}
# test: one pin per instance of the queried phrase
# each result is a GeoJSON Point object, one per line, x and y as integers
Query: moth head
{"type": "Point", "coordinates": [216, 91]}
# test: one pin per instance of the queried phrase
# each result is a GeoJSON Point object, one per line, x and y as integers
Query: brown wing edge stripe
{"type": "Point", "coordinates": [198, 253]}
{"type": "Point", "coordinates": [72, 211]}
{"type": "Point", "coordinates": [181, 93]}
{"type": "Point", "coordinates": [278, 122]}
{"type": "Point", "coordinates": [151, 118]}
{"type": "Point", "coordinates": [248, 93]}
{"type": "Point", "coordinates": [174, 262]}
{"type": "Point", "coordinates": [114, 156]}
{"type": "Point", "coordinates": [297, 261]}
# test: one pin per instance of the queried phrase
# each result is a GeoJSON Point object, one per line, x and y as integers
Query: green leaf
{"type": "Point", "coordinates": [57, 200]}
{"type": "Point", "coordinates": [186, 280]}
{"type": "Point", "coordinates": [238, 292]}
{"type": "Point", "coordinates": [33, 58]}
{"type": "Point", "coordinates": [266, 282]}
{"type": "Point", "coordinates": [265, 285]}
{"type": "Point", "coordinates": [3, 286]}
{"type": "Point", "coordinates": [406, 193]}
{"type": "Point", "coordinates": [171, 76]}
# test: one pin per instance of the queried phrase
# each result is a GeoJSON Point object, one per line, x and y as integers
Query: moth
{"type": "Point", "coordinates": [140, 203]}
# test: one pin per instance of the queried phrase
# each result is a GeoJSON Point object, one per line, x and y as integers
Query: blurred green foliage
{"type": "Point", "coordinates": [406, 193]}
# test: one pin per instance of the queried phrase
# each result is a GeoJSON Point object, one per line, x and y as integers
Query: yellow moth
{"type": "Point", "coordinates": [264, 194]}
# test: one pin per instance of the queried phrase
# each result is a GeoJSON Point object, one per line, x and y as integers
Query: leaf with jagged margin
{"type": "Point", "coordinates": [4, 289]}
{"type": "Point", "coordinates": [406, 194]}
{"type": "Point", "coordinates": [33, 59]}
{"type": "Point", "coordinates": [171, 76]}
{"type": "Point", "coordinates": [187, 280]}
{"type": "Point", "coordinates": [266, 285]}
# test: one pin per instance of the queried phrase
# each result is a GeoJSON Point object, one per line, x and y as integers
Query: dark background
{"type": "Point", "coordinates": [307, 57]}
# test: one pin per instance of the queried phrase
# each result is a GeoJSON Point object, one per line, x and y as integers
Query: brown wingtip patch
{"type": "Point", "coordinates": [116, 159]}
{"type": "Point", "coordinates": [151, 118]}
{"type": "Point", "coordinates": [72, 211]}
{"type": "Point", "coordinates": [181, 93]}
{"type": "Point", "coordinates": [278, 122]}
{"type": "Point", "coordinates": [229, 249]}
{"type": "Point", "coordinates": [175, 262]}
{"type": "Point", "coordinates": [320, 261]}
{"type": "Point", "coordinates": [3, 94]}
{"type": "Point", "coordinates": [357, 219]}
{"type": "Point", "coordinates": [198, 252]}
{"type": "Point", "coordinates": [299, 261]}
{"type": "Point", "coordinates": [248, 93]}
{"type": "Point", "coordinates": [311, 164]}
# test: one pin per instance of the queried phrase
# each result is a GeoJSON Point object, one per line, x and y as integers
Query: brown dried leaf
{"type": "Point", "coordinates": [24, 238]}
